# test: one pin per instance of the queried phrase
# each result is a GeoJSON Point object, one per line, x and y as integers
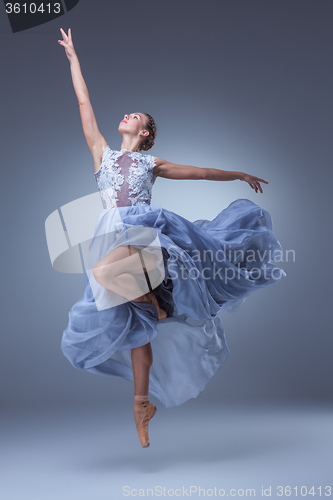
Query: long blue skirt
{"type": "Point", "coordinates": [202, 269]}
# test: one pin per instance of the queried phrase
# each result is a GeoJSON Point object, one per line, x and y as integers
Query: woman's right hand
{"type": "Point", "coordinates": [254, 181]}
{"type": "Point", "coordinates": [67, 43]}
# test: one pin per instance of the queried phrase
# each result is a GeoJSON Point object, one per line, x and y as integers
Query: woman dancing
{"type": "Point", "coordinates": [141, 296]}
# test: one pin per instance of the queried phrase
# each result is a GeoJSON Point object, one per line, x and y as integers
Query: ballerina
{"type": "Point", "coordinates": [103, 346]}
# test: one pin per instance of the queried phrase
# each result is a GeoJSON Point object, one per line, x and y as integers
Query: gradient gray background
{"type": "Point", "coordinates": [240, 85]}
{"type": "Point", "coordinates": [243, 86]}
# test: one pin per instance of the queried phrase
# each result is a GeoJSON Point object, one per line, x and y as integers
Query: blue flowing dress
{"type": "Point", "coordinates": [202, 269]}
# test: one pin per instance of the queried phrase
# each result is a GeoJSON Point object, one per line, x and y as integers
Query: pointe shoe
{"type": "Point", "coordinates": [143, 426]}
{"type": "Point", "coordinates": [153, 300]}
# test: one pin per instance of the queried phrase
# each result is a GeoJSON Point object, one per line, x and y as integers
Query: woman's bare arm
{"type": "Point", "coordinates": [94, 138]}
{"type": "Point", "coordinates": [170, 170]}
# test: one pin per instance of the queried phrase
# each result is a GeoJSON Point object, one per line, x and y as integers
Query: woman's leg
{"type": "Point", "coordinates": [126, 286]}
{"type": "Point", "coordinates": [118, 261]}
{"type": "Point", "coordinates": [106, 274]}
{"type": "Point", "coordinates": [142, 359]}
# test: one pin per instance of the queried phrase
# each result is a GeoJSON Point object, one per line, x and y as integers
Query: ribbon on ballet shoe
{"type": "Point", "coordinates": [140, 399]}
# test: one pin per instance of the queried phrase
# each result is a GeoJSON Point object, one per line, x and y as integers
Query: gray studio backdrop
{"type": "Point", "coordinates": [244, 85]}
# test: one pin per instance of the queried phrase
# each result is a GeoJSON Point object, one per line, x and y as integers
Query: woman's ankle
{"type": "Point", "coordinates": [153, 300]}
{"type": "Point", "coordinates": [143, 298]}
{"type": "Point", "coordinates": [140, 398]}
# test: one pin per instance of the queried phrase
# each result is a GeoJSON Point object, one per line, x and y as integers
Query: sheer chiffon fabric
{"type": "Point", "coordinates": [202, 270]}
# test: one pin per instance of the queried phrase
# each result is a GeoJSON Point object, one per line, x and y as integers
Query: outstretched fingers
{"type": "Point", "coordinates": [256, 184]}
{"type": "Point", "coordinates": [64, 36]}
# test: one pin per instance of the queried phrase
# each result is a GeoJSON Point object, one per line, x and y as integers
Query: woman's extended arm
{"type": "Point", "coordinates": [77, 78]}
{"type": "Point", "coordinates": [170, 170]}
{"type": "Point", "coordinates": [94, 138]}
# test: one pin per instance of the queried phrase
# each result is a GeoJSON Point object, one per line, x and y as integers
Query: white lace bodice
{"type": "Point", "coordinates": [125, 178]}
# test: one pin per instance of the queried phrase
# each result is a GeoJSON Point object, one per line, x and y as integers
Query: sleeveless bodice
{"type": "Point", "coordinates": [125, 178]}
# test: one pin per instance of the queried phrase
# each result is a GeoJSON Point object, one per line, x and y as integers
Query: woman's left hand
{"type": "Point", "coordinates": [254, 182]}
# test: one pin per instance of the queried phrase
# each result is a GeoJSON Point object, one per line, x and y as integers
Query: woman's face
{"type": "Point", "coordinates": [132, 124]}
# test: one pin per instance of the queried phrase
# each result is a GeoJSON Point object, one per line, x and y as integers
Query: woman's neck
{"type": "Point", "coordinates": [130, 146]}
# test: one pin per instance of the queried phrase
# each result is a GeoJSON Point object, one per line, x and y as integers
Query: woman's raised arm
{"type": "Point", "coordinates": [94, 138]}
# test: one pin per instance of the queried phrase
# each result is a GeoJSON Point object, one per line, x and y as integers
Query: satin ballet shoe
{"type": "Point", "coordinates": [153, 300]}
{"type": "Point", "coordinates": [142, 428]}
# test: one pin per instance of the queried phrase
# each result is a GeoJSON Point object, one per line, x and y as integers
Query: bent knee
{"type": "Point", "coordinates": [101, 273]}
{"type": "Point", "coordinates": [97, 273]}
{"type": "Point", "coordinates": [105, 272]}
